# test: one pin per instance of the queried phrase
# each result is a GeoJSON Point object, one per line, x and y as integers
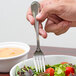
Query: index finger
{"type": "Point", "coordinates": [30, 17]}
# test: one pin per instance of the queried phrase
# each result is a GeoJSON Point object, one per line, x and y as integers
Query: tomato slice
{"type": "Point", "coordinates": [64, 62]}
{"type": "Point", "coordinates": [50, 71]}
{"type": "Point", "coordinates": [69, 70]}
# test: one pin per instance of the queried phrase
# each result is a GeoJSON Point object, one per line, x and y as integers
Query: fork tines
{"type": "Point", "coordinates": [39, 62]}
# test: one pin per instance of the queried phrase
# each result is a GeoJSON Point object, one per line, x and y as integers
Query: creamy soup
{"type": "Point", "coordinates": [10, 52]}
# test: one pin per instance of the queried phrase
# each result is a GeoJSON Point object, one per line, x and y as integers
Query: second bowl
{"type": "Point", "coordinates": [6, 63]}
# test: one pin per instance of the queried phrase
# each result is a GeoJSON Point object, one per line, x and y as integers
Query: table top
{"type": "Point", "coordinates": [50, 51]}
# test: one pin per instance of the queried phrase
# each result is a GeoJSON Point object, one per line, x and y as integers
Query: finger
{"type": "Point", "coordinates": [50, 26]}
{"type": "Point", "coordinates": [55, 27]}
{"type": "Point", "coordinates": [52, 20]}
{"type": "Point", "coordinates": [63, 30]}
{"type": "Point", "coordinates": [63, 25]}
{"type": "Point", "coordinates": [29, 17]}
{"type": "Point", "coordinates": [49, 9]}
{"type": "Point", "coordinates": [55, 19]}
{"type": "Point", "coordinates": [41, 31]}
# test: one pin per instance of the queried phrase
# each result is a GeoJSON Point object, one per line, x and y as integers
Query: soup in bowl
{"type": "Point", "coordinates": [10, 52]}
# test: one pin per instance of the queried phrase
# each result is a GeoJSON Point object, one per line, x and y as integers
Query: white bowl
{"type": "Point", "coordinates": [7, 63]}
{"type": "Point", "coordinates": [50, 59]}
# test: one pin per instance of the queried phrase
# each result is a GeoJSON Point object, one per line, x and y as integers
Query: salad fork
{"type": "Point", "coordinates": [39, 60]}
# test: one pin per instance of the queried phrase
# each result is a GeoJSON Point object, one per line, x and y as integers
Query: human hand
{"type": "Point", "coordinates": [59, 14]}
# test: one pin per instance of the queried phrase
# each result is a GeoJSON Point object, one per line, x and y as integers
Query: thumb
{"type": "Point", "coordinates": [46, 11]}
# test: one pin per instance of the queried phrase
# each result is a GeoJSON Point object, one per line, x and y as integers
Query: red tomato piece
{"type": "Point", "coordinates": [50, 71]}
{"type": "Point", "coordinates": [69, 70]}
{"type": "Point", "coordinates": [64, 62]}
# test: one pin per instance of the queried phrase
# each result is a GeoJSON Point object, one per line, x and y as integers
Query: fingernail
{"type": "Point", "coordinates": [39, 15]}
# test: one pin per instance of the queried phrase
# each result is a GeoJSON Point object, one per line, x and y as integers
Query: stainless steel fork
{"type": "Point", "coordinates": [39, 60]}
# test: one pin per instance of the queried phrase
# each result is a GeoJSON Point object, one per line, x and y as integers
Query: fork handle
{"type": "Point", "coordinates": [35, 9]}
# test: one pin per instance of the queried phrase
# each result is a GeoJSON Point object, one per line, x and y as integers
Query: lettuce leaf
{"type": "Point", "coordinates": [60, 70]}
{"type": "Point", "coordinates": [17, 70]}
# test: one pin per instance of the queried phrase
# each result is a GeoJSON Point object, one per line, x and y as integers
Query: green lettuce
{"type": "Point", "coordinates": [60, 70]}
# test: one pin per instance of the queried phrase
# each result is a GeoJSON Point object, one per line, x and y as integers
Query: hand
{"type": "Point", "coordinates": [59, 15]}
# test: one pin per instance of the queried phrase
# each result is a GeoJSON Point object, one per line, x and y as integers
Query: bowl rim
{"type": "Point", "coordinates": [15, 43]}
{"type": "Point", "coordinates": [32, 58]}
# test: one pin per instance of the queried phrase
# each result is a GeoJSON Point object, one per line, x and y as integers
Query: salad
{"type": "Point", "coordinates": [62, 69]}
